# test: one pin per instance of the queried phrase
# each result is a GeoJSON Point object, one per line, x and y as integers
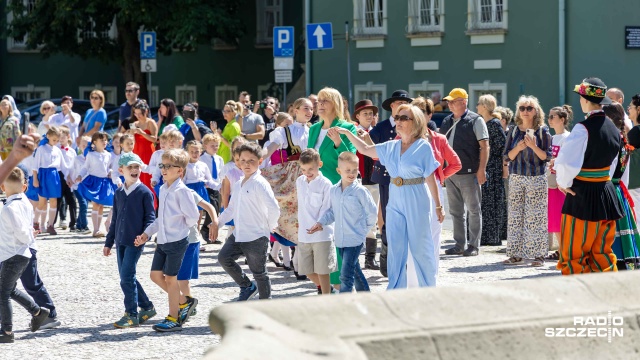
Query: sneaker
{"type": "Point", "coordinates": [127, 321]}
{"type": "Point", "coordinates": [186, 309]}
{"type": "Point", "coordinates": [51, 230]}
{"type": "Point", "coordinates": [50, 323]}
{"type": "Point", "coordinates": [167, 325]}
{"type": "Point", "coordinates": [454, 251]}
{"type": "Point", "coordinates": [63, 224]}
{"type": "Point", "coordinates": [145, 315]}
{"type": "Point", "coordinates": [471, 251]}
{"type": "Point", "coordinates": [36, 226]}
{"type": "Point", "coordinates": [72, 228]}
{"type": "Point", "coordinates": [84, 231]}
{"type": "Point", "coordinates": [6, 338]}
{"type": "Point", "coordinates": [37, 320]}
{"type": "Point", "coordinates": [248, 292]}
{"type": "Point", "coordinates": [319, 290]}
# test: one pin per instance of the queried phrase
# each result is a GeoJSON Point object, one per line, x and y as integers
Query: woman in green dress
{"type": "Point", "coordinates": [168, 114]}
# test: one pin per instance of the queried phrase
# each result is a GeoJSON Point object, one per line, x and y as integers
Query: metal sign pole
{"type": "Point", "coordinates": [284, 97]}
{"type": "Point", "coordinates": [346, 31]}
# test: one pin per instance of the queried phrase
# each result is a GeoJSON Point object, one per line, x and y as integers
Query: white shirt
{"type": "Point", "coordinates": [231, 172]}
{"type": "Point", "coordinates": [78, 163]}
{"type": "Point", "coordinates": [194, 234]}
{"type": "Point", "coordinates": [17, 229]}
{"type": "Point", "coordinates": [571, 157]}
{"type": "Point", "coordinates": [130, 189]}
{"type": "Point", "coordinates": [253, 208]}
{"type": "Point", "coordinates": [68, 158]}
{"type": "Point", "coordinates": [96, 164]}
{"type": "Point", "coordinates": [48, 156]}
{"type": "Point", "coordinates": [198, 172]}
{"type": "Point", "coordinates": [323, 134]}
{"type": "Point", "coordinates": [299, 136]}
{"type": "Point", "coordinates": [208, 159]}
{"type": "Point", "coordinates": [314, 200]}
{"type": "Point", "coordinates": [177, 212]}
{"type": "Point", "coordinates": [152, 168]}
{"type": "Point", "coordinates": [62, 119]}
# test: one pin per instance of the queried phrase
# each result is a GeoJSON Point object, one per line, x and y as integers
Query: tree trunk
{"type": "Point", "coordinates": [128, 39]}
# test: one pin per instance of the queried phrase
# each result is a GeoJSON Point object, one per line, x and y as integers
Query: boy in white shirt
{"type": "Point", "coordinates": [211, 143]}
{"type": "Point", "coordinates": [15, 238]}
{"type": "Point", "coordinates": [177, 212]}
{"type": "Point", "coordinates": [255, 212]}
{"type": "Point", "coordinates": [316, 252]}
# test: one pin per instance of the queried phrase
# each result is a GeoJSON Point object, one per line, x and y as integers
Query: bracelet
{"type": "Point", "coordinates": [439, 207]}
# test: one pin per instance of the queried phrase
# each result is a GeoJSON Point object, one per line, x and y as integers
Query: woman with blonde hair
{"type": "Point", "coordinates": [412, 166]}
{"type": "Point", "coordinates": [494, 210]}
{"type": "Point", "coordinates": [9, 129]}
{"type": "Point", "coordinates": [47, 110]}
{"type": "Point", "coordinates": [95, 118]}
{"type": "Point", "coordinates": [231, 130]}
{"type": "Point", "coordinates": [528, 149]}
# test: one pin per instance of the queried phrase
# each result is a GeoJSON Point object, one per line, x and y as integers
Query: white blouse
{"type": "Point", "coordinates": [198, 172]}
{"type": "Point", "coordinates": [208, 160]}
{"type": "Point", "coordinates": [231, 172]}
{"type": "Point", "coordinates": [96, 164]}
{"type": "Point", "coordinates": [299, 136]}
{"type": "Point", "coordinates": [48, 156]}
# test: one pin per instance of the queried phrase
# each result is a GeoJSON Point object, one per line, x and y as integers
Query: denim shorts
{"type": "Point", "coordinates": [168, 257]}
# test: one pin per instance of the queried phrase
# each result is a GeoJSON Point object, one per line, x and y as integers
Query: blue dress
{"type": "Point", "coordinates": [50, 185]}
{"type": "Point", "coordinates": [408, 222]}
{"type": "Point", "coordinates": [99, 190]}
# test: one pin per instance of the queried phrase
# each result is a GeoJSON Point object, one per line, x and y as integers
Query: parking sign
{"type": "Point", "coordinates": [148, 45]}
{"type": "Point", "coordinates": [283, 41]}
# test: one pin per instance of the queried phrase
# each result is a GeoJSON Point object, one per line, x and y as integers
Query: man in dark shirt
{"type": "Point", "coordinates": [131, 92]}
{"type": "Point", "coordinates": [463, 128]}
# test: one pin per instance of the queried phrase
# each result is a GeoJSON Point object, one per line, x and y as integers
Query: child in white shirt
{"type": "Point", "coordinates": [48, 160]}
{"type": "Point", "coordinates": [211, 143]}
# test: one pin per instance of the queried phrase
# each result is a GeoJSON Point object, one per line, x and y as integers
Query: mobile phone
{"type": "Point", "coordinates": [214, 124]}
{"type": "Point", "coordinates": [530, 133]}
{"type": "Point", "coordinates": [58, 108]}
{"type": "Point", "coordinates": [26, 117]}
{"type": "Point", "coordinates": [189, 114]}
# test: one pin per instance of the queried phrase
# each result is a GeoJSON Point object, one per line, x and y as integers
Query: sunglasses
{"type": "Point", "coordinates": [166, 166]}
{"type": "Point", "coordinates": [402, 118]}
{"type": "Point", "coordinates": [46, 108]}
{"type": "Point", "coordinates": [130, 90]}
{"type": "Point", "coordinates": [526, 108]}
{"type": "Point", "coordinates": [551, 117]}
{"type": "Point", "coordinates": [95, 98]}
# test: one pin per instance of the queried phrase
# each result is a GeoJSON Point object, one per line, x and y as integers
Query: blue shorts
{"type": "Point", "coordinates": [168, 257]}
{"type": "Point", "coordinates": [189, 268]}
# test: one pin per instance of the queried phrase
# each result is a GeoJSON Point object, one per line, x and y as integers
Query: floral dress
{"type": "Point", "coordinates": [9, 133]}
{"type": "Point", "coordinates": [494, 206]}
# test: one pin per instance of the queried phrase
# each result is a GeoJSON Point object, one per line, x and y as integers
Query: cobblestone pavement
{"type": "Point", "coordinates": [86, 291]}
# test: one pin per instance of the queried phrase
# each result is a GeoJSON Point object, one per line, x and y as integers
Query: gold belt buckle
{"type": "Point", "coordinates": [398, 181]}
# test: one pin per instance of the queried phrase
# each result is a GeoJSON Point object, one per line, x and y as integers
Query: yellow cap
{"type": "Point", "coordinates": [457, 93]}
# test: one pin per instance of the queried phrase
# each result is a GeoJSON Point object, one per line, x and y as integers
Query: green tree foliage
{"type": "Point", "coordinates": [85, 28]}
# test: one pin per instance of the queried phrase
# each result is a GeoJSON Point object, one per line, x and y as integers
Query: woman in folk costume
{"type": "Point", "coordinates": [286, 144]}
{"type": "Point", "coordinates": [625, 245]}
{"type": "Point", "coordinates": [591, 207]}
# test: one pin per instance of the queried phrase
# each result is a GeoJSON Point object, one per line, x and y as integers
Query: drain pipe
{"type": "Point", "coordinates": [562, 58]}
{"type": "Point", "coordinates": [307, 53]}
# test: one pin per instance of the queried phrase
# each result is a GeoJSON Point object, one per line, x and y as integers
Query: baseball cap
{"type": "Point", "coordinates": [457, 93]}
{"type": "Point", "coordinates": [127, 159]}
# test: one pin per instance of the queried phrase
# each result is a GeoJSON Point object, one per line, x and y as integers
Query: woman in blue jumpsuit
{"type": "Point", "coordinates": [411, 165]}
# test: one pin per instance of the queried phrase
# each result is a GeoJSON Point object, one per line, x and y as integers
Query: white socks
{"type": "Point", "coordinates": [52, 216]}
{"type": "Point", "coordinates": [94, 220]}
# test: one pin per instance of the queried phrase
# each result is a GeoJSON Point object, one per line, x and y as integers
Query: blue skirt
{"type": "Point", "coordinates": [189, 267]}
{"type": "Point", "coordinates": [98, 190]}
{"type": "Point", "coordinates": [50, 185]}
{"type": "Point", "coordinates": [32, 192]}
{"type": "Point", "coordinates": [282, 240]}
{"type": "Point", "coordinates": [200, 190]}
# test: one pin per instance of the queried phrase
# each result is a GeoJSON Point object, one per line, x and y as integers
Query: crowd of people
{"type": "Point", "coordinates": [311, 188]}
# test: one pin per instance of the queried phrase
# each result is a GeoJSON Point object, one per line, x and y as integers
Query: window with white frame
{"type": "Point", "coordinates": [377, 93]}
{"type": "Point", "coordinates": [426, 16]}
{"type": "Point", "coordinates": [110, 93]}
{"type": "Point", "coordinates": [425, 89]}
{"type": "Point", "coordinates": [487, 14]}
{"type": "Point", "coordinates": [186, 94]}
{"type": "Point", "coordinates": [498, 90]}
{"type": "Point", "coordinates": [89, 31]}
{"type": "Point", "coordinates": [268, 15]}
{"type": "Point", "coordinates": [30, 92]}
{"type": "Point", "coordinates": [224, 93]}
{"type": "Point", "coordinates": [370, 17]}
{"type": "Point", "coordinates": [20, 44]}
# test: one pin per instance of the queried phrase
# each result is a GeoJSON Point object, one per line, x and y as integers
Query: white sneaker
{"type": "Point", "coordinates": [50, 323]}
{"type": "Point", "coordinates": [64, 225]}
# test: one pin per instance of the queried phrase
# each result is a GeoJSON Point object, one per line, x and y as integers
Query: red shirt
{"type": "Point", "coordinates": [442, 151]}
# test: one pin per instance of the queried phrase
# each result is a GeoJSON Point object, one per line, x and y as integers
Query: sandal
{"type": "Point", "coordinates": [99, 234]}
{"type": "Point", "coordinates": [513, 261]}
{"type": "Point", "coordinates": [539, 261]}
{"type": "Point", "coordinates": [553, 256]}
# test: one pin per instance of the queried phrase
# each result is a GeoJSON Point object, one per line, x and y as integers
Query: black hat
{"type": "Point", "coordinates": [594, 90]}
{"type": "Point", "coordinates": [397, 95]}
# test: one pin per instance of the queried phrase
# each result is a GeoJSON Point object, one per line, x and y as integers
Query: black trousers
{"type": "Point", "coordinates": [215, 200]}
{"type": "Point", "coordinates": [69, 201]}
{"type": "Point", "coordinates": [34, 287]}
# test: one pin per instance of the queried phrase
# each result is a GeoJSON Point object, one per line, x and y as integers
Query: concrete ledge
{"type": "Point", "coordinates": [502, 320]}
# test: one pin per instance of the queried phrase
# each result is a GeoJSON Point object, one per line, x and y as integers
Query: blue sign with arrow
{"type": "Point", "coordinates": [319, 36]}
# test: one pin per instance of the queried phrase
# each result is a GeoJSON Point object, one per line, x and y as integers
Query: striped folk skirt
{"type": "Point", "coordinates": [586, 246]}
